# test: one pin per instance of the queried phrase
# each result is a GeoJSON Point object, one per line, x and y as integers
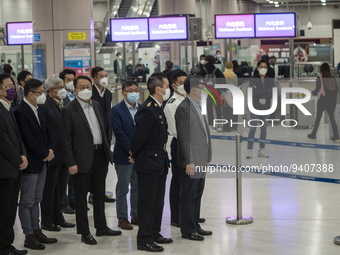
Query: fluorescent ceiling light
{"type": "Point", "coordinates": [324, 4]}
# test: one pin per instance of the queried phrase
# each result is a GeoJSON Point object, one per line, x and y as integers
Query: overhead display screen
{"type": "Point", "coordinates": [19, 33]}
{"type": "Point", "coordinates": [168, 28]}
{"type": "Point", "coordinates": [129, 30]}
{"type": "Point", "coordinates": [234, 26]}
{"type": "Point", "coordinates": [275, 25]}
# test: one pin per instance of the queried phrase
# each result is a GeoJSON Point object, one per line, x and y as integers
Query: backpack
{"type": "Point", "coordinates": [210, 78]}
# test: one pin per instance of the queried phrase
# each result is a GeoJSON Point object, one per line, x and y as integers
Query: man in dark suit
{"type": "Point", "coordinates": [87, 154]}
{"type": "Point", "coordinates": [193, 152]}
{"type": "Point", "coordinates": [103, 96]}
{"type": "Point", "coordinates": [118, 67]}
{"type": "Point", "coordinates": [40, 150]}
{"type": "Point", "coordinates": [56, 177]}
{"type": "Point", "coordinates": [13, 160]}
{"type": "Point", "coordinates": [148, 151]}
{"type": "Point", "coordinates": [22, 77]}
{"type": "Point", "coordinates": [123, 125]}
{"type": "Point", "coordinates": [68, 75]}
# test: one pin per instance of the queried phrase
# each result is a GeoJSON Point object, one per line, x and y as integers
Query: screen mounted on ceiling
{"type": "Point", "coordinates": [168, 28]}
{"type": "Point", "coordinates": [19, 33]}
{"type": "Point", "coordinates": [234, 26]}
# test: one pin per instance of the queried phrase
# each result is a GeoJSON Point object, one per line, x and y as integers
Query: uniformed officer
{"type": "Point", "coordinates": [177, 79]}
{"type": "Point", "coordinates": [148, 152]}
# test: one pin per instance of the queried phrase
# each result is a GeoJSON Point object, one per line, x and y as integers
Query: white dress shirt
{"type": "Point", "coordinates": [99, 92]}
{"type": "Point", "coordinates": [92, 120]}
{"type": "Point", "coordinates": [5, 104]}
{"type": "Point", "coordinates": [170, 110]}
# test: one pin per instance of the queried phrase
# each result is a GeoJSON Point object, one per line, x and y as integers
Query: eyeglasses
{"type": "Point", "coordinates": [8, 87]}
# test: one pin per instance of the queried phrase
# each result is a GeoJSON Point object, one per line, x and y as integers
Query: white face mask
{"type": "Point", "coordinates": [41, 99]}
{"type": "Point", "coordinates": [69, 85]}
{"type": "Point", "coordinates": [263, 71]}
{"type": "Point", "coordinates": [181, 90]}
{"type": "Point", "coordinates": [130, 62]}
{"type": "Point", "coordinates": [202, 62]}
{"type": "Point", "coordinates": [167, 94]}
{"type": "Point", "coordinates": [61, 93]}
{"type": "Point", "coordinates": [85, 94]}
{"type": "Point", "coordinates": [104, 82]}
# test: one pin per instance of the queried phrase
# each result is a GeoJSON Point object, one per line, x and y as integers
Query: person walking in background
{"type": "Point", "coordinates": [231, 79]}
{"type": "Point", "coordinates": [326, 90]}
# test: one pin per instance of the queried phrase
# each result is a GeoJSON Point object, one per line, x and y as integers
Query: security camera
{"type": "Point", "coordinates": [309, 25]}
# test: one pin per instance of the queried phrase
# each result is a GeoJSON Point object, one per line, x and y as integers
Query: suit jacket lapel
{"type": "Point", "coordinates": [81, 113]}
{"type": "Point", "coordinates": [193, 109]}
{"type": "Point", "coordinates": [127, 113]}
{"type": "Point", "coordinates": [99, 118]}
{"type": "Point", "coordinates": [31, 113]}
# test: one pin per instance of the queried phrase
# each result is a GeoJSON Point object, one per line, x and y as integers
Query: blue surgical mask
{"type": "Point", "coordinates": [133, 97]}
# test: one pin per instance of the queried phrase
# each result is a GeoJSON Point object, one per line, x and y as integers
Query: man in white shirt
{"type": "Point", "coordinates": [177, 80]}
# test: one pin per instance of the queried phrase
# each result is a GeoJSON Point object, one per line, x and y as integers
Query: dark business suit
{"type": "Point", "coordinates": [105, 102]}
{"type": "Point", "coordinates": [77, 141]}
{"type": "Point", "coordinates": [11, 150]}
{"type": "Point", "coordinates": [37, 140]}
{"type": "Point", "coordinates": [56, 176]}
{"type": "Point", "coordinates": [148, 148]}
{"type": "Point", "coordinates": [193, 146]}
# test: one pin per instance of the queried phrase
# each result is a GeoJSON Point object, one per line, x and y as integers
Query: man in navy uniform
{"type": "Point", "coordinates": [148, 151]}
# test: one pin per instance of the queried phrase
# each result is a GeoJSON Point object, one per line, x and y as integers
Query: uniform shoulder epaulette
{"type": "Point", "coordinates": [171, 100]}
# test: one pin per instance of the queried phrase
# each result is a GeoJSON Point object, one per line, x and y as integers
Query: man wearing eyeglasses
{"type": "Point", "coordinates": [123, 126]}
{"type": "Point", "coordinates": [31, 120]}
{"type": "Point", "coordinates": [87, 154]}
{"type": "Point", "coordinates": [13, 161]}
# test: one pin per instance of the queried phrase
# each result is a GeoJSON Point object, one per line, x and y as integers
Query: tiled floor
{"type": "Point", "coordinates": [291, 217]}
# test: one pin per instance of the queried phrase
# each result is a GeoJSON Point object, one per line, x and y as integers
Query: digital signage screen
{"type": "Point", "coordinates": [129, 30]}
{"type": "Point", "coordinates": [275, 25]}
{"type": "Point", "coordinates": [168, 28]}
{"type": "Point", "coordinates": [19, 33]}
{"type": "Point", "coordinates": [234, 26]}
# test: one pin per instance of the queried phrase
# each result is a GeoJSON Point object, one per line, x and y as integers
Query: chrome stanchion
{"type": "Point", "coordinates": [239, 219]}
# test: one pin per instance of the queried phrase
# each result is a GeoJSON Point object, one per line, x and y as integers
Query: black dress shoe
{"type": "Point", "coordinates": [108, 232]}
{"type": "Point", "coordinates": [161, 239]}
{"type": "Point", "coordinates": [51, 227]}
{"type": "Point", "coordinates": [203, 232]}
{"type": "Point", "coordinates": [33, 243]}
{"type": "Point", "coordinates": [150, 247]}
{"type": "Point", "coordinates": [66, 224]}
{"type": "Point", "coordinates": [42, 238]}
{"type": "Point", "coordinates": [201, 220]}
{"type": "Point", "coordinates": [88, 239]}
{"type": "Point", "coordinates": [174, 224]}
{"type": "Point", "coordinates": [193, 236]}
{"type": "Point", "coordinates": [109, 199]}
{"type": "Point", "coordinates": [18, 252]}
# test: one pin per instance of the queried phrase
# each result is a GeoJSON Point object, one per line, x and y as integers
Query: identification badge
{"type": "Point", "coordinates": [262, 101]}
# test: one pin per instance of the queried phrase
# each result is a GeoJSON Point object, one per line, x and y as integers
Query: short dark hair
{"type": "Point", "coordinates": [265, 57]}
{"type": "Point", "coordinates": [272, 57]}
{"type": "Point", "coordinates": [210, 59]}
{"type": "Point", "coordinates": [262, 61]}
{"type": "Point", "coordinates": [155, 80]}
{"type": "Point", "coordinates": [118, 53]}
{"type": "Point", "coordinates": [4, 76]}
{"type": "Point", "coordinates": [7, 68]}
{"type": "Point", "coordinates": [192, 81]}
{"type": "Point", "coordinates": [176, 74]}
{"type": "Point", "coordinates": [22, 75]}
{"type": "Point", "coordinates": [203, 56]}
{"type": "Point", "coordinates": [66, 71]}
{"type": "Point", "coordinates": [168, 64]}
{"type": "Point", "coordinates": [128, 83]}
{"type": "Point", "coordinates": [96, 70]}
{"type": "Point", "coordinates": [218, 51]}
{"type": "Point", "coordinates": [31, 85]}
{"type": "Point", "coordinates": [81, 77]}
